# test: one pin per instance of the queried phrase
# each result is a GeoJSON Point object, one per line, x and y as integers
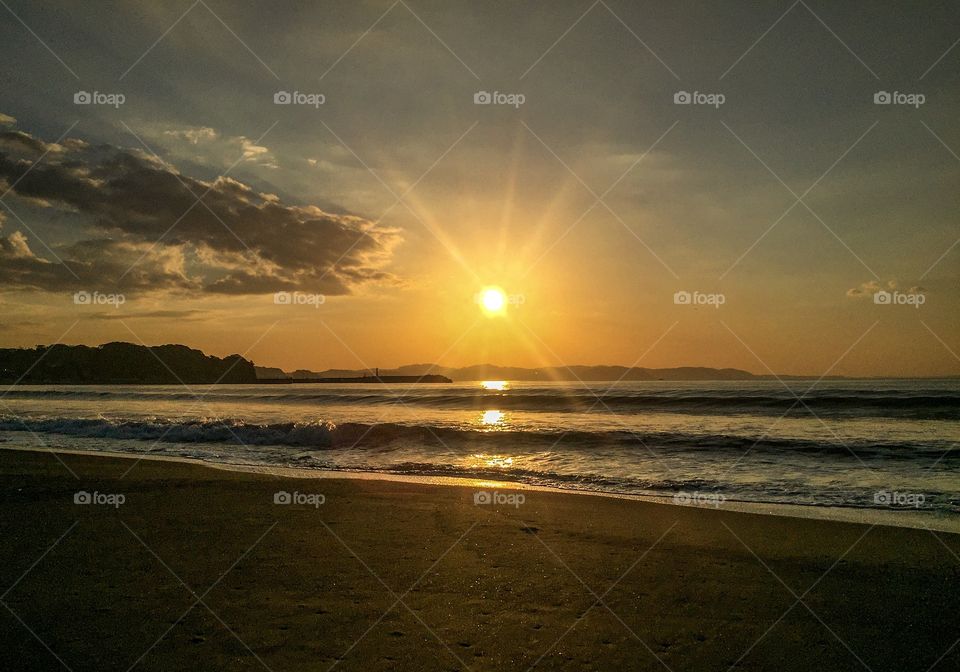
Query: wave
{"type": "Point", "coordinates": [327, 435]}
{"type": "Point", "coordinates": [681, 489]}
{"type": "Point", "coordinates": [810, 471]}
{"type": "Point", "coordinates": [922, 404]}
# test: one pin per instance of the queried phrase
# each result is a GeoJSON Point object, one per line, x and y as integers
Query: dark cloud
{"type": "Point", "coordinates": [234, 241]}
{"type": "Point", "coordinates": [92, 264]}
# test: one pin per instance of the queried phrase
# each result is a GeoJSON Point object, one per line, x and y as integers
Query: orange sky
{"type": "Point", "coordinates": [592, 202]}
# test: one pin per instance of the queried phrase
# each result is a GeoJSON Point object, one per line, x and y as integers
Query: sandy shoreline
{"type": "Point", "coordinates": [199, 568]}
{"type": "Point", "coordinates": [898, 517]}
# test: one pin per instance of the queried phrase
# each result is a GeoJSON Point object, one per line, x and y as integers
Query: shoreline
{"type": "Point", "coordinates": [907, 518]}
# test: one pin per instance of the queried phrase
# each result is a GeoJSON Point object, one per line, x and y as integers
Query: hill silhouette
{"type": "Point", "coordinates": [121, 363]}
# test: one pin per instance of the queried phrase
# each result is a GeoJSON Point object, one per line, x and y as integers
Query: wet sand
{"type": "Point", "coordinates": [199, 568]}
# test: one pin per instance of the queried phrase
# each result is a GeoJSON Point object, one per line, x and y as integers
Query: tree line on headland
{"type": "Point", "coordinates": [121, 363]}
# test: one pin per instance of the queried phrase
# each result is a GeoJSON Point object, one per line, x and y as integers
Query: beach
{"type": "Point", "coordinates": [514, 336]}
{"type": "Point", "coordinates": [181, 566]}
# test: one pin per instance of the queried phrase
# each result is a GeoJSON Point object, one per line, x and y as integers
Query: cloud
{"type": "Point", "coordinates": [145, 228]}
{"type": "Point", "coordinates": [868, 289]}
{"type": "Point", "coordinates": [194, 135]}
{"type": "Point", "coordinates": [25, 145]}
{"type": "Point", "coordinates": [6, 119]}
{"type": "Point", "coordinates": [93, 264]}
{"type": "Point", "coordinates": [203, 144]}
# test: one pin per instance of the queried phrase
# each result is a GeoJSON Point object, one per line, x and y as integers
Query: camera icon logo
{"type": "Point", "coordinates": [282, 98]}
{"type": "Point", "coordinates": [82, 98]}
{"type": "Point", "coordinates": [682, 298]}
{"type": "Point", "coordinates": [682, 98]}
{"type": "Point", "coordinates": [82, 298]}
{"type": "Point", "coordinates": [482, 98]}
{"type": "Point", "coordinates": [283, 298]}
{"type": "Point", "coordinates": [282, 497]}
{"type": "Point", "coordinates": [482, 497]}
{"type": "Point", "coordinates": [82, 497]}
{"type": "Point", "coordinates": [882, 98]}
{"type": "Point", "coordinates": [882, 298]}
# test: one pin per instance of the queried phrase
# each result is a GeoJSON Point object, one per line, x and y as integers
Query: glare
{"type": "Point", "coordinates": [492, 417]}
{"type": "Point", "coordinates": [493, 300]}
{"type": "Point", "coordinates": [498, 385]}
{"type": "Point", "coordinates": [484, 460]}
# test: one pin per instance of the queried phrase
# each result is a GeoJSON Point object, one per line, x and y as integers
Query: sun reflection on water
{"type": "Point", "coordinates": [496, 385]}
{"type": "Point", "coordinates": [484, 460]}
{"type": "Point", "coordinates": [492, 418]}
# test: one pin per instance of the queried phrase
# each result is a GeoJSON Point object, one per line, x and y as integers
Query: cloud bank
{"type": "Point", "coordinates": [143, 226]}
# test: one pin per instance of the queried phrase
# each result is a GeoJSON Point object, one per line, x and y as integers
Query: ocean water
{"type": "Point", "coordinates": [872, 444]}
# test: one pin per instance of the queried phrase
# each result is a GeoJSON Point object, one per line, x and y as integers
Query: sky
{"type": "Point", "coordinates": [650, 184]}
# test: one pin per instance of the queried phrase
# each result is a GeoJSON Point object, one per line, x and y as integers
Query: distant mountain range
{"type": "Point", "coordinates": [128, 363]}
{"type": "Point", "coordinates": [492, 372]}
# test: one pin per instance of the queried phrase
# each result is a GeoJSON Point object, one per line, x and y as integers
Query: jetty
{"type": "Point", "coordinates": [375, 378]}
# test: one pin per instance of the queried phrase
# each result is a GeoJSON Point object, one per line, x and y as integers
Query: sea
{"type": "Point", "coordinates": [867, 444]}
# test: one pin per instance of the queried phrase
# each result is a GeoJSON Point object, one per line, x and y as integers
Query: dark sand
{"type": "Point", "coordinates": [479, 587]}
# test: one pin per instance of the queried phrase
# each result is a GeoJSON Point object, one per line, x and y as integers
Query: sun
{"type": "Point", "coordinates": [493, 301]}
